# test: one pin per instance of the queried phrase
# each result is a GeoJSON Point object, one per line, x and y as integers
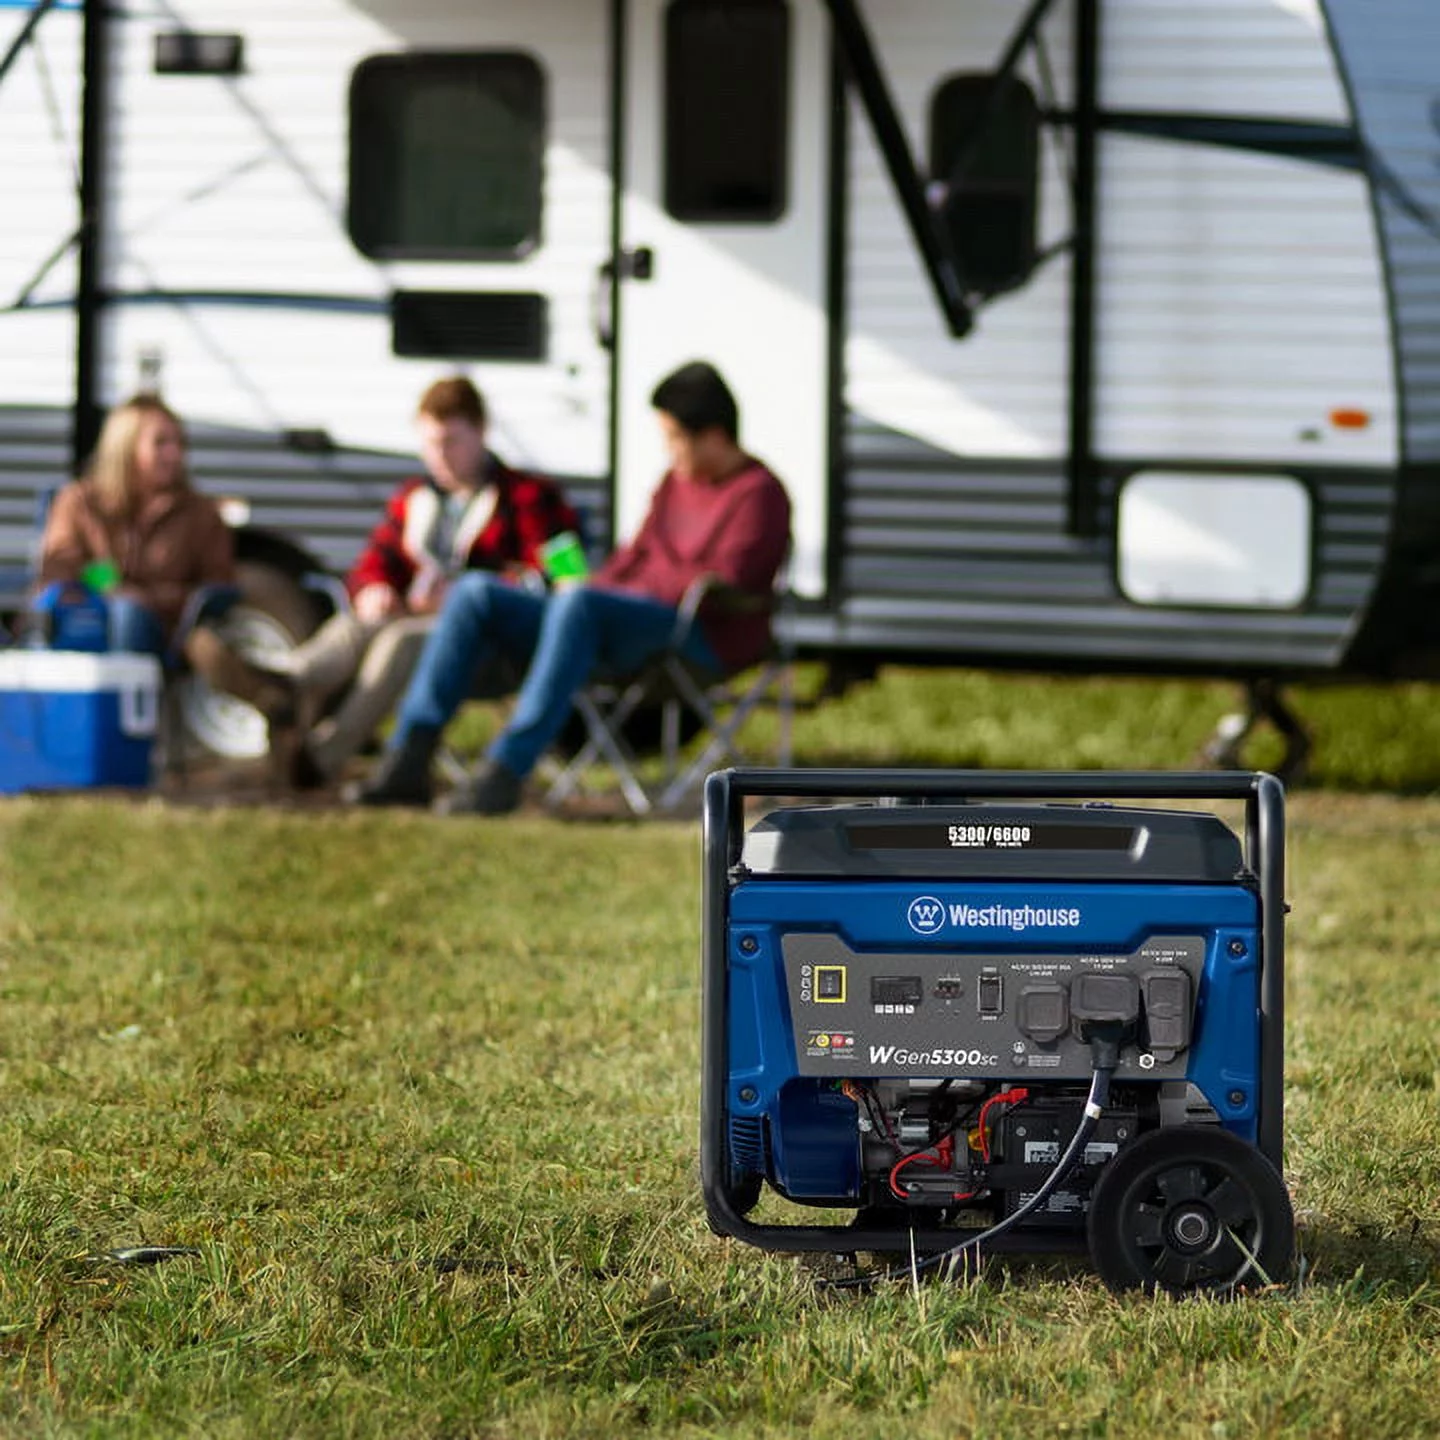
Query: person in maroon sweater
{"type": "Point", "coordinates": [718, 512]}
{"type": "Point", "coordinates": [469, 511]}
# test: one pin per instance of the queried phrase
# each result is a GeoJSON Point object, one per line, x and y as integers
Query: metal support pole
{"type": "Point", "coordinates": [1084, 506]}
{"type": "Point", "coordinates": [95, 63]}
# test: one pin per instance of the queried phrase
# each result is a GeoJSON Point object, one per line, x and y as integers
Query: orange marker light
{"type": "Point", "coordinates": [1350, 419]}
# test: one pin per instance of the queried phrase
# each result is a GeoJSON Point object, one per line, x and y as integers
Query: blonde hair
{"type": "Point", "coordinates": [112, 464]}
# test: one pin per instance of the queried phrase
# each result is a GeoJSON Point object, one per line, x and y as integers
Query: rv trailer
{"type": "Point", "coordinates": [1085, 333]}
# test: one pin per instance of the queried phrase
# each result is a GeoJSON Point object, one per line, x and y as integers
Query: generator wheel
{"type": "Point", "coordinates": [272, 616]}
{"type": "Point", "coordinates": [1187, 1209]}
{"type": "Point", "coordinates": [743, 1189]}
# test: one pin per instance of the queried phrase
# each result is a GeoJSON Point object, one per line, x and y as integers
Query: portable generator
{"type": "Point", "coordinates": [974, 1011]}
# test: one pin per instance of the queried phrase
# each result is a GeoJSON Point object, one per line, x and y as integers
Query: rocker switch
{"type": "Point", "coordinates": [990, 993]}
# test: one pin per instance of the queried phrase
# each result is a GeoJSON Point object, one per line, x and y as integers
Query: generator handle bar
{"type": "Point", "coordinates": [1026, 784]}
{"type": "Point", "coordinates": [723, 817]}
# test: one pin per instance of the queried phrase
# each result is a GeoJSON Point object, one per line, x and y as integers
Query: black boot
{"type": "Point", "coordinates": [304, 773]}
{"type": "Point", "coordinates": [491, 790]}
{"type": "Point", "coordinates": [403, 774]}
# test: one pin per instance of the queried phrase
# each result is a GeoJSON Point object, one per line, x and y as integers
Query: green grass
{"type": "Point", "coordinates": [422, 1095]}
{"type": "Point", "coordinates": [1366, 737]}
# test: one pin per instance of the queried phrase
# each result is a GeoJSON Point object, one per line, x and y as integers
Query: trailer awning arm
{"type": "Point", "coordinates": [1020, 41]}
{"type": "Point", "coordinates": [27, 33]}
{"type": "Point", "coordinates": [864, 68]}
{"type": "Point", "coordinates": [23, 38]}
{"type": "Point", "coordinates": [863, 65]}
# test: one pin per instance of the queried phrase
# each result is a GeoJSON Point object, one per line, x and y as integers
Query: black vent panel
{"type": "Point", "coordinates": [446, 325]}
{"type": "Point", "coordinates": [747, 1143]}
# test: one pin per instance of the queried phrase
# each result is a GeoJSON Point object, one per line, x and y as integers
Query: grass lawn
{"type": "Point", "coordinates": [421, 1097]}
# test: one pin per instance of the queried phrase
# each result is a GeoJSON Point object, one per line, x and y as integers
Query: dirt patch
{"type": "Point", "coordinates": [240, 783]}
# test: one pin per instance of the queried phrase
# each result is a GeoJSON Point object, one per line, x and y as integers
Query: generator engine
{"type": "Point", "coordinates": [975, 1014]}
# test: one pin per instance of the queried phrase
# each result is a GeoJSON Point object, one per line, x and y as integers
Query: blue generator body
{"type": "Point", "coordinates": [1003, 1010]}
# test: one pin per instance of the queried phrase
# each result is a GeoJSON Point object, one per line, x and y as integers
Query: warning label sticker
{"type": "Point", "coordinates": [831, 1044]}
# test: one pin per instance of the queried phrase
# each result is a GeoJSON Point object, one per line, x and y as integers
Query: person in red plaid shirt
{"type": "Point", "coordinates": [468, 512]}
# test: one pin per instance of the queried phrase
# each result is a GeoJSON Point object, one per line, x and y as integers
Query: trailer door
{"type": "Point", "coordinates": [722, 227]}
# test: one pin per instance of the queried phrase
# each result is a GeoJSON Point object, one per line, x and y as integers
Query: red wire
{"type": "Point", "coordinates": [1005, 1097]}
{"type": "Point", "coordinates": [900, 1164]}
{"type": "Point", "coordinates": [945, 1148]}
{"type": "Point", "coordinates": [943, 1158]}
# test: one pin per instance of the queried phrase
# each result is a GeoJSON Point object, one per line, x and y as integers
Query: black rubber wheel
{"type": "Point", "coordinates": [273, 615]}
{"type": "Point", "coordinates": [1190, 1208]}
{"type": "Point", "coordinates": [744, 1191]}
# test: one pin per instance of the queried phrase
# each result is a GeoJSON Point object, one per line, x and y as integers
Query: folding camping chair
{"type": "Point", "coordinates": [497, 680]}
{"type": "Point", "coordinates": [720, 706]}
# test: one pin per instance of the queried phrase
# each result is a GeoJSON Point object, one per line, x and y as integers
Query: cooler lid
{"type": "Point", "coordinates": [77, 671]}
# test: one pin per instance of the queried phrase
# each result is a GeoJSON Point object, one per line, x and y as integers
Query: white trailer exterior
{"type": "Point", "coordinates": [1194, 424]}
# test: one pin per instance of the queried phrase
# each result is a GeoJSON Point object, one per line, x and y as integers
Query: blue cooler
{"type": "Point", "coordinates": [70, 616]}
{"type": "Point", "coordinates": [69, 720]}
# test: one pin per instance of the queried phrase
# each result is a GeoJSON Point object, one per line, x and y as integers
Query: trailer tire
{"type": "Point", "coordinates": [273, 615]}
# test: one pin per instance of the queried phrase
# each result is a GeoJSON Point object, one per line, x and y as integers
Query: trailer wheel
{"type": "Point", "coordinates": [1187, 1209]}
{"type": "Point", "coordinates": [272, 616]}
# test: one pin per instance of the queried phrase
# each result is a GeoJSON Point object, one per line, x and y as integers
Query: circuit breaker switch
{"type": "Point", "coordinates": [1044, 1012]}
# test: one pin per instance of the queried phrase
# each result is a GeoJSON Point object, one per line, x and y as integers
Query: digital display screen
{"type": "Point", "coordinates": [896, 990]}
{"type": "Point", "coordinates": [990, 835]}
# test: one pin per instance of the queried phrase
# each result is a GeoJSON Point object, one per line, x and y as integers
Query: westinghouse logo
{"type": "Point", "coordinates": [927, 915]}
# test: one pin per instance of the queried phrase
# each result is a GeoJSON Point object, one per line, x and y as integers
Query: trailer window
{"type": "Point", "coordinates": [984, 162]}
{"type": "Point", "coordinates": [1229, 540]}
{"type": "Point", "coordinates": [447, 155]}
{"type": "Point", "coordinates": [727, 65]}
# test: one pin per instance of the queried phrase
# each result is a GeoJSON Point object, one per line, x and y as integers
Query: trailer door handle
{"type": "Point", "coordinates": [636, 264]}
{"type": "Point", "coordinates": [602, 306]}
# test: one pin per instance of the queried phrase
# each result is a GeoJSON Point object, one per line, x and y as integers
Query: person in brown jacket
{"type": "Point", "coordinates": [168, 550]}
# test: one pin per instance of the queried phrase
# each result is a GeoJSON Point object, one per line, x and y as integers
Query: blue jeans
{"type": "Point", "coordinates": [135, 626]}
{"type": "Point", "coordinates": [562, 638]}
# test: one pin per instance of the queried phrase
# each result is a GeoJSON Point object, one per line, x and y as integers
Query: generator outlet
{"type": "Point", "coordinates": [1168, 1004]}
{"type": "Point", "coordinates": [1104, 998]}
{"type": "Point", "coordinates": [1044, 1013]}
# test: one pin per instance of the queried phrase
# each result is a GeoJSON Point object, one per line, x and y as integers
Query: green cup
{"type": "Point", "coordinates": [101, 576]}
{"type": "Point", "coordinates": [562, 557]}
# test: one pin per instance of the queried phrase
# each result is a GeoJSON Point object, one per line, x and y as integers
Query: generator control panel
{"type": "Point", "coordinates": [932, 1014]}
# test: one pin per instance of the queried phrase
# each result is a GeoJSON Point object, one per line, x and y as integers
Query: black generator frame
{"type": "Point", "coordinates": [726, 792]}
